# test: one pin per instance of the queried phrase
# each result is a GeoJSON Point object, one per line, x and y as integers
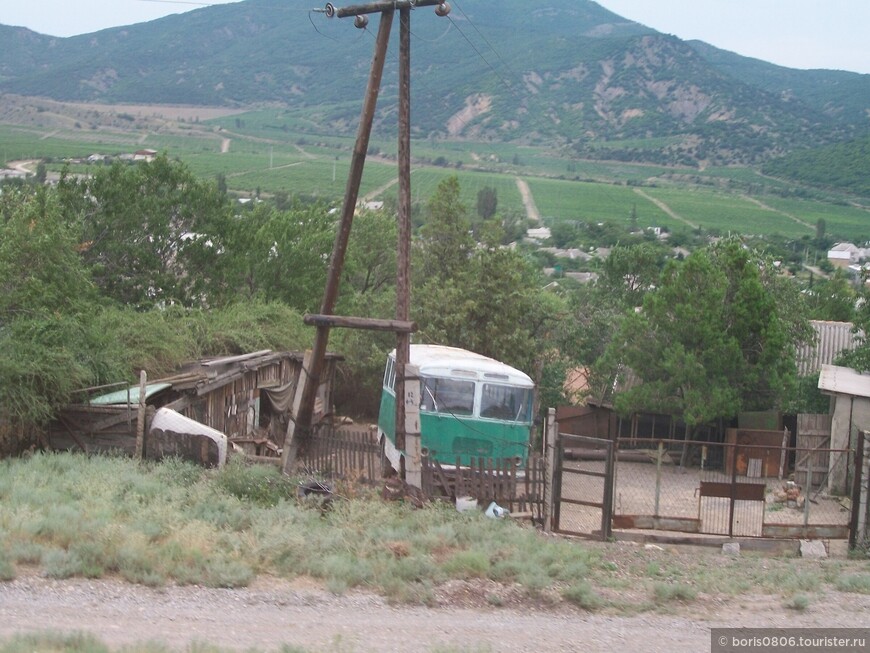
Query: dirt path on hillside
{"type": "Point", "coordinates": [766, 207]}
{"type": "Point", "coordinates": [528, 200]}
{"type": "Point", "coordinates": [272, 614]}
{"type": "Point", "coordinates": [667, 209]}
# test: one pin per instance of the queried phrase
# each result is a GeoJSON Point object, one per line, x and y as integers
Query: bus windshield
{"type": "Point", "coordinates": [505, 402]}
{"type": "Point", "coordinates": [450, 396]}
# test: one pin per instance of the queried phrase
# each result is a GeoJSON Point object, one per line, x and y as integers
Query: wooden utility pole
{"type": "Point", "coordinates": [309, 380]}
{"type": "Point", "coordinates": [403, 252]}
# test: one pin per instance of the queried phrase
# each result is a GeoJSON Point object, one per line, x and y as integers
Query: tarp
{"type": "Point", "coordinates": [169, 421]}
{"type": "Point", "coordinates": [280, 398]}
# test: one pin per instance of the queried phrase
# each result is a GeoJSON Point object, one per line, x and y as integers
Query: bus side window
{"type": "Point", "coordinates": [427, 401]}
{"type": "Point", "coordinates": [390, 375]}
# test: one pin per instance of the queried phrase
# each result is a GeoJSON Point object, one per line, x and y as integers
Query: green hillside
{"type": "Point", "coordinates": [843, 166]}
{"type": "Point", "coordinates": [563, 73]}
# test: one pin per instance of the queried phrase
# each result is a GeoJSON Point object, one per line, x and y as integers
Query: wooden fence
{"type": "Point", "coordinates": [356, 455]}
{"type": "Point", "coordinates": [340, 453]}
{"type": "Point", "coordinates": [519, 489]}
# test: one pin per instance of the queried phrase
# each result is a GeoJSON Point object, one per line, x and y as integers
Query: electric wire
{"type": "Point", "coordinates": [485, 40]}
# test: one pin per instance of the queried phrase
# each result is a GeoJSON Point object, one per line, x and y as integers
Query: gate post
{"type": "Point", "coordinates": [549, 469]}
{"type": "Point", "coordinates": [607, 500]}
{"type": "Point", "coordinates": [860, 482]}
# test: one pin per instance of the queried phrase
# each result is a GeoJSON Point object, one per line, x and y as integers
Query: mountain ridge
{"type": "Point", "coordinates": [574, 75]}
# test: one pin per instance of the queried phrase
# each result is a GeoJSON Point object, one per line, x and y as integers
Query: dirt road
{"type": "Point", "coordinates": [273, 613]}
{"type": "Point", "coordinates": [528, 200]}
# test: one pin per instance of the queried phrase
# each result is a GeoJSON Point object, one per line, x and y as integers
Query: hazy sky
{"type": "Point", "coordinates": [794, 33]}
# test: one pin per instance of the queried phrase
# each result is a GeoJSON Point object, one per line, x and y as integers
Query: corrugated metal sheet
{"type": "Point", "coordinates": [830, 340]}
{"type": "Point", "coordinates": [122, 396]}
{"type": "Point", "coordinates": [844, 381]}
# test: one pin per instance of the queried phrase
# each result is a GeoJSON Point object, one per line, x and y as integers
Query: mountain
{"type": "Point", "coordinates": [563, 72]}
{"type": "Point", "coordinates": [841, 95]}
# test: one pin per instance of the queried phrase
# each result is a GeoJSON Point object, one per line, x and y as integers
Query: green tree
{"type": "Point", "coordinates": [487, 202]}
{"type": "Point", "coordinates": [630, 271]}
{"type": "Point", "coordinates": [278, 255]}
{"type": "Point", "coordinates": [710, 341]}
{"type": "Point", "coordinates": [445, 241]}
{"type": "Point", "coordinates": [832, 299]}
{"type": "Point", "coordinates": [221, 182]}
{"type": "Point", "coordinates": [370, 264]}
{"type": "Point", "coordinates": [51, 346]}
{"type": "Point", "coordinates": [41, 173]}
{"type": "Point", "coordinates": [148, 231]}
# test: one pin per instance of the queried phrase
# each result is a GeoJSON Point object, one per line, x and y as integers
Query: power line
{"type": "Point", "coordinates": [485, 40]}
{"type": "Point", "coordinates": [184, 2]}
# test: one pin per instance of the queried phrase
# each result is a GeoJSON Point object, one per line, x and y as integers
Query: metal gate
{"type": "Point", "coordinates": [731, 499]}
{"type": "Point", "coordinates": [583, 486]}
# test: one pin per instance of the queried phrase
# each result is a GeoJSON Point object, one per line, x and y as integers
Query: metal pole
{"type": "Point", "coordinates": [310, 378]}
{"type": "Point", "coordinates": [659, 476]}
{"type": "Point", "coordinates": [403, 253]}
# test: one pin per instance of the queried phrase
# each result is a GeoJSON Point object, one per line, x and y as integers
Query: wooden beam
{"type": "Point", "coordinates": [369, 323]}
{"type": "Point", "coordinates": [375, 7]}
{"type": "Point", "coordinates": [140, 417]}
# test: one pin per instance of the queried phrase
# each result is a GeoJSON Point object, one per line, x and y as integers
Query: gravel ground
{"type": "Point", "coordinates": [273, 613]}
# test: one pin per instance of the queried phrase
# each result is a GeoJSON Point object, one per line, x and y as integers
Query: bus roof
{"type": "Point", "coordinates": [452, 361]}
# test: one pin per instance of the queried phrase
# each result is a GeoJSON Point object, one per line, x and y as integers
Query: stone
{"type": "Point", "coordinates": [813, 549]}
{"type": "Point", "coordinates": [731, 548]}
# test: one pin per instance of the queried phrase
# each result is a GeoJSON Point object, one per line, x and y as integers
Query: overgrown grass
{"type": "Point", "coordinates": [173, 522]}
{"type": "Point", "coordinates": [51, 642]}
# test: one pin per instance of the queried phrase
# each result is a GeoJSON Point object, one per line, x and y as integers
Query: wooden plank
{"type": "Point", "coordinates": [367, 323]}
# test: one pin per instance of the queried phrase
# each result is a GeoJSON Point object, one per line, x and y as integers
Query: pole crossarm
{"type": "Point", "coordinates": [369, 323]}
{"type": "Point", "coordinates": [376, 7]}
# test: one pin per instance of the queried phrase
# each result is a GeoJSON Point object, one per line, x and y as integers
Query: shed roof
{"type": "Point", "coordinates": [831, 339]}
{"type": "Point", "coordinates": [844, 381]}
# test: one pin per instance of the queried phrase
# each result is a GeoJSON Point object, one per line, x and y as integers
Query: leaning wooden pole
{"type": "Point", "coordinates": [309, 379]}
{"type": "Point", "coordinates": [403, 250]}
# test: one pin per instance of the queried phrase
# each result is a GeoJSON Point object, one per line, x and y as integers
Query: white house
{"type": "Point", "coordinates": [842, 255]}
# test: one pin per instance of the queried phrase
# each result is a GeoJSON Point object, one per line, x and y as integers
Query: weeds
{"type": "Point", "coordinates": [667, 592]}
{"type": "Point", "coordinates": [799, 603]}
{"type": "Point", "coordinates": [858, 583]}
{"type": "Point", "coordinates": [583, 596]}
{"type": "Point", "coordinates": [172, 522]}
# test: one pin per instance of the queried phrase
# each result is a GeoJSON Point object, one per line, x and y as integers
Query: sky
{"type": "Point", "coordinates": [794, 33]}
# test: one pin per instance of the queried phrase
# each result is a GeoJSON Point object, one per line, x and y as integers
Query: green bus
{"type": "Point", "coordinates": [470, 406]}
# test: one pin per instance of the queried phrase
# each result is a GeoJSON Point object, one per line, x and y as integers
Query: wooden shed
{"type": "Point", "coordinates": [248, 398]}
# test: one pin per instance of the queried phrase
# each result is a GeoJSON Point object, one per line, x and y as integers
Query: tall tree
{"type": "Point", "coordinates": [630, 272]}
{"type": "Point", "coordinates": [487, 202]}
{"type": "Point", "coordinates": [445, 241]}
{"type": "Point", "coordinates": [710, 341]}
{"type": "Point", "coordinates": [146, 230]}
{"type": "Point", "coordinates": [47, 334]}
